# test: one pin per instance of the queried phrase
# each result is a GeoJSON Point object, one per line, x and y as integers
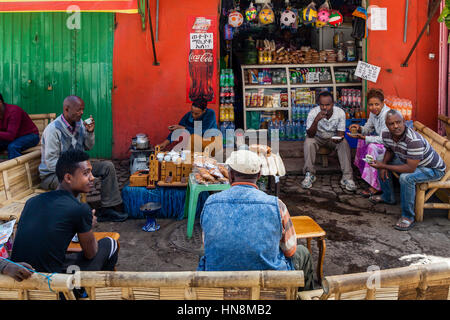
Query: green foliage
{"type": "Point", "coordinates": [445, 16]}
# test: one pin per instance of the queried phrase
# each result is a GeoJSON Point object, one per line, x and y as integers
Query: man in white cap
{"type": "Point", "coordinates": [246, 229]}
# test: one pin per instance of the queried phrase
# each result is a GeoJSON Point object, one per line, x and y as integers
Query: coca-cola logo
{"type": "Point", "coordinates": [206, 57]}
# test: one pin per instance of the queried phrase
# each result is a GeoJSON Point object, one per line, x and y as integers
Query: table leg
{"type": "Point", "coordinates": [322, 248]}
{"type": "Point", "coordinates": [193, 199]}
{"type": "Point", "coordinates": [186, 201]}
{"type": "Point", "coordinates": [308, 244]}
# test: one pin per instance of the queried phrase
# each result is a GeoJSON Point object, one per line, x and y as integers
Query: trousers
{"type": "Point", "coordinates": [16, 146]}
{"type": "Point", "coordinates": [110, 193]}
{"type": "Point", "coordinates": [311, 146]}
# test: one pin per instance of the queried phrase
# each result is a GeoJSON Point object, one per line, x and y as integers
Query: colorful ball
{"type": "Point", "coordinates": [309, 15]}
{"type": "Point", "coordinates": [288, 18]}
{"type": "Point", "coordinates": [235, 19]}
{"type": "Point", "coordinates": [323, 15]}
{"type": "Point", "coordinates": [251, 14]}
{"type": "Point", "coordinates": [336, 19]}
{"type": "Point", "coordinates": [266, 16]}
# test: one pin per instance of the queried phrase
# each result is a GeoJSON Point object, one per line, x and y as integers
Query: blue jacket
{"type": "Point", "coordinates": [242, 231]}
{"type": "Point", "coordinates": [208, 120]}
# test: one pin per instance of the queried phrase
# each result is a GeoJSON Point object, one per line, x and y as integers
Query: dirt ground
{"type": "Point", "coordinates": [357, 238]}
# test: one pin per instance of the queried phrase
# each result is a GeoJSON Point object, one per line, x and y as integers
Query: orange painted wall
{"type": "Point", "coordinates": [419, 81]}
{"type": "Point", "coordinates": [149, 98]}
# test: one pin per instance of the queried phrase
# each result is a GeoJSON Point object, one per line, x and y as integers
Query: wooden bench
{"type": "Point", "coordinates": [422, 282]}
{"type": "Point", "coordinates": [19, 181]}
{"type": "Point", "coordinates": [446, 122]}
{"type": "Point", "coordinates": [184, 285]}
{"type": "Point", "coordinates": [41, 121]}
{"type": "Point", "coordinates": [442, 146]}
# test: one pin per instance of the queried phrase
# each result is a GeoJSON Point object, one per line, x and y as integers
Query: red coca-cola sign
{"type": "Point", "coordinates": [201, 78]}
{"type": "Point", "coordinates": [206, 57]}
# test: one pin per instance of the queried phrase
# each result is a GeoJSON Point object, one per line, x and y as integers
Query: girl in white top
{"type": "Point", "coordinates": [371, 144]}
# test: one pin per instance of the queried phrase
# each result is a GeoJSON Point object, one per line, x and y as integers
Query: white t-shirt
{"type": "Point", "coordinates": [327, 128]}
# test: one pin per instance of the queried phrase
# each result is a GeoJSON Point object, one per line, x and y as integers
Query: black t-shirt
{"type": "Point", "coordinates": [47, 225]}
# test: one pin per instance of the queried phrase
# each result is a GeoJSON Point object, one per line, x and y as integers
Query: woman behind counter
{"type": "Point", "coordinates": [371, 144]}
{"type": "Point", "coordinates": [199, 112]}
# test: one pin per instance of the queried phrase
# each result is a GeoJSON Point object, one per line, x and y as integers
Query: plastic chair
{"type": "Point", "coordinates": [192, 193]}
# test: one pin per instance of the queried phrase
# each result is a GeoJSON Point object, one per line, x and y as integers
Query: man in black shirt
{"type": "Point", "coordinates": [50, 220]}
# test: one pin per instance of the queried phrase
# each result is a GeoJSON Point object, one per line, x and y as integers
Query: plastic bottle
{"type": "Point", "coordinates": [282, 131]}
{"type": "Point", "coordinates": [223, 128]}
{"type": "Point", "coordinates": [229, 137]}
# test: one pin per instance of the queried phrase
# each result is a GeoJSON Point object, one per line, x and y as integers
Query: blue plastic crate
{"type": "Point", "coordinates": [353, 143]}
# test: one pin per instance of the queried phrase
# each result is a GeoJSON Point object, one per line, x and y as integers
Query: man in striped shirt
{"type": "Point", "coordinates": [410, 155]}
{"type": "Point", "coordinates": [246, 229]}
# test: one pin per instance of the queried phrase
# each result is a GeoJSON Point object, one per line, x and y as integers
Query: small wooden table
{"type": "Point", "coordinates": [75, 246]}
{"type": "Point", "coordinates": [306, 228]}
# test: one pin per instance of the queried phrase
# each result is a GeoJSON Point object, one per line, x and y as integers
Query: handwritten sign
{"type": "Point", "coordinates": [378, 19]}
{"type": "Point", "coordinates": [202, 41]}
{"type": "Point", "coordinates": [367, 71]}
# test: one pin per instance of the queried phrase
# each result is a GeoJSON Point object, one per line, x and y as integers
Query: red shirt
{"type": "Point", "coordinates": [16, 123]}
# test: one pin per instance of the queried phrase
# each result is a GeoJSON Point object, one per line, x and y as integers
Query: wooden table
{"type": "Point", "coordinates": [75, 246]}
{"type": "Point", "coordinates": [306, 228]}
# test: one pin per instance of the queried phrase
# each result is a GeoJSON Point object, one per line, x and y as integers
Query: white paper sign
{"type": "Point", "coordinates": [201, 41]}
{"type": "Point", "coordinates": [367, 71]}
{"type": "Point", "coordinates": [378, 19]}
{"type": "Point", "coordinates": [6, 230]}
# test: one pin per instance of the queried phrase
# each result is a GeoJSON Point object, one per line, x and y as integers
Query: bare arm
{"type": "Point", "coordinates": [88, 244]}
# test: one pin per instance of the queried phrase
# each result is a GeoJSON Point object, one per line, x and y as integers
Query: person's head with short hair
{"type": "Point", "coordinates": [73, 109]}
{"type": "Point", "coordinates": [325, 101]}
{"type": "Point", "coordinates": [74, 172]}
{"type": "Point", "coordinates": [395, 123]}
{"type": "Point", "coordinates": [244, 166]}
{"type": "Point", "coordinates": [375, 100]}
{"type": "Point", "coordinates": [198, 108]}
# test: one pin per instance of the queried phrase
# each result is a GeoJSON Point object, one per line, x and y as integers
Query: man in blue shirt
{"type": "Point", "coordinates": [199, 112]}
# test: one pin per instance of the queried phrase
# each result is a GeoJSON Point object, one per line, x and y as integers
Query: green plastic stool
{"type": "Point", "coordinates": [192, 193]}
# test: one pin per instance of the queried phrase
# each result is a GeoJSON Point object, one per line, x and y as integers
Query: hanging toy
{"type": "Point", "coordinates": [288, 18]}
{"type": "Point", "coordinates": [266, 15]}
{"type": "Point", "coordinates": [320, 24]}
{"type": "Point", "coordinates": [336, 19]}
{"type": "Point", "coordinates": [310, 13]}
{"type": "Point", "coordinates": [251, 13]}
{"type": "Point", "coordinates": [323, 15]}
{"type": "Point", "coordinates": [228, 32]}
{"type": "Point", "coordinates": [235, 19]}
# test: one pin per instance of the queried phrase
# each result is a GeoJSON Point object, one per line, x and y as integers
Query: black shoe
{"type": "Point", "coordinates": [110, 215]}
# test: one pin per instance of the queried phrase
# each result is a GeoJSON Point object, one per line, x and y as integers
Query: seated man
{"type": "Point", "coordinates": [50, 220]}
{"type": "Point", "coordinates": [199, 112]}
{"type": "Point", "coordinates": [14, 270]}
{"type": "Point", "coordinates": [246, 229]}
{"type": "Point", "coordinates": [323, 123]}
{"type": "Point", "coordinates": [67, 132]}
{"type": "Point", "coordinates": [410, 155]}
{"type": "Point", "coordinates": [17, 131]}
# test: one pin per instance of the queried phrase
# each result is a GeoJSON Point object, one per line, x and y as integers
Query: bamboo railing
{"type": "Point", "coordinates": [187, 285]}
{"type": "Point", "coordinates": [420, 282]}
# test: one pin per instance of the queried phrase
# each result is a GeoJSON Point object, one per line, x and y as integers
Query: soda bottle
{"type": "Point", "coordinates": [222, 113]}
{"type": "Point", "coordinates": [201, 66]}
{"type": "Point", "coordinates": [231, 112]}
{"type": "Point", "coordinates": [282, 131]}
{"type": "Point", "coordinates": [223, 128]}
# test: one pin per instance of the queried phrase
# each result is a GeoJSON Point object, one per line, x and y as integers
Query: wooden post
{"type": "Point", "coordinates": [420, 201]}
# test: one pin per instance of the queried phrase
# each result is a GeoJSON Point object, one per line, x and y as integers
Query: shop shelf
{"type": "Point", "coordinates": [266, 109]}
{"type": "Point", "coordinates": [264, 86]}
{"type": "Point", "coordinates": [312, 85]}
{"type": "Point", "coordinates": [348, 84]}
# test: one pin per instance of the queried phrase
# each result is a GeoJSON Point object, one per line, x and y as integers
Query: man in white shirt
{"type": "Point", "coordinates": [325, 122]}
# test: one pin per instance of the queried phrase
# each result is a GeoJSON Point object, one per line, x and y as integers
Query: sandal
{"type": "Point", "coordinates": [408, 224]}
{"type": "Point", "coordinates": [368, 193]}
{"type": "Point", "coordinates": [376, 199]}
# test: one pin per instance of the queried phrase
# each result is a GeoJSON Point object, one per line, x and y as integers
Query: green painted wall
{"type": "Point", "coordinates": [42, 61]}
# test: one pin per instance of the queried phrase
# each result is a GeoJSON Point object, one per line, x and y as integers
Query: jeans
{"type": "Point", "coordinates": [407, 186]}
{"type": "Point", "coordinates": [16, 147]}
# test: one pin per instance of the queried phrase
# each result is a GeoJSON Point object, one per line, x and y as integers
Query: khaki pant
{"type": "Point", "coordinates": [311, 146]}
{"type": "Point", "coordinates": [110, 193]}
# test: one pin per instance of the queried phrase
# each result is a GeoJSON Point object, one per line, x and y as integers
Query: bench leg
{"type": "Point", "coordinates": [308, 245]}
{"type": "Point", "coordinates": [420, 201]}
{"type": "Point", "coordinates": [193, 199]}
{"type": "Point", "coordinates": [322, 248]}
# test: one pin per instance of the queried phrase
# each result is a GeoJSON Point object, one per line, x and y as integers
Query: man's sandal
{"type": "Point", "coordinates": [367, 193]}
{"type": "Point", "coordinates": [407, 224]}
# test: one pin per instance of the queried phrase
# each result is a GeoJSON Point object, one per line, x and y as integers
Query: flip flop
{"type": "Point", "coordinates": [367, 193]}
{"type": "Point", "coordinates": [404, 221]}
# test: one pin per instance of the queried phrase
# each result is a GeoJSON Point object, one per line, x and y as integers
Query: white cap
{"type": "Point", "coordinates": [244, 161]}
